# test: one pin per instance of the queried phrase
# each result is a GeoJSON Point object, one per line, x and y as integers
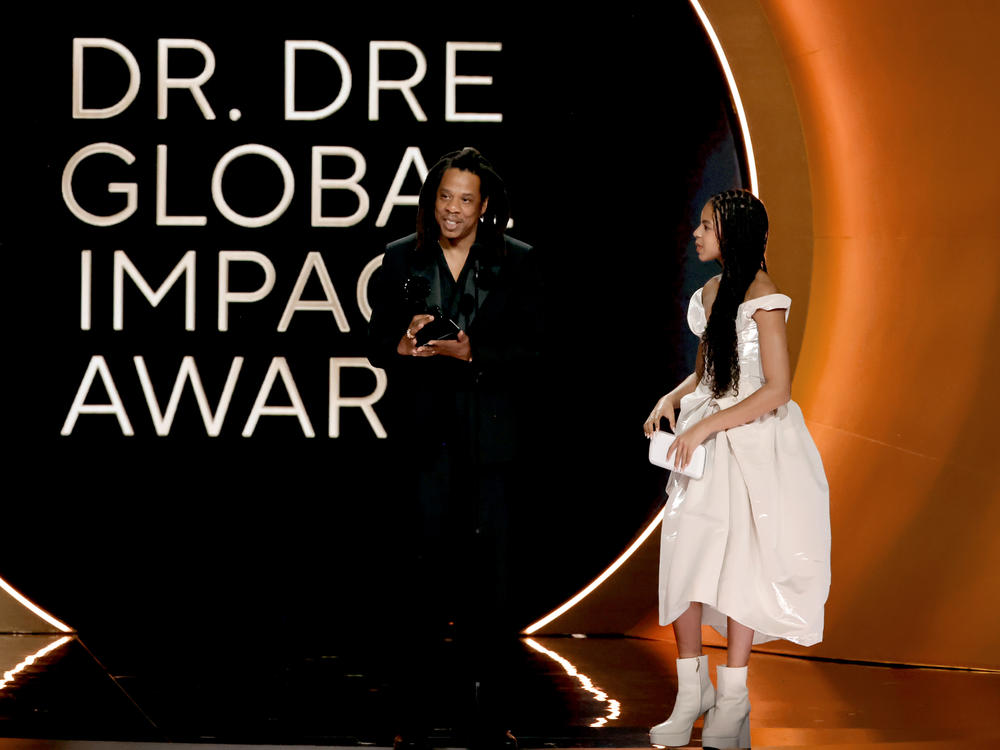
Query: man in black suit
{"type": "Point", "coordinates": [456, 322]}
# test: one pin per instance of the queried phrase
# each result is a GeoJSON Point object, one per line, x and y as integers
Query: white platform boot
{"type": "Point", "coordinates": [728, 723]}
{"type": "Point", "coordinates": [695, 696]}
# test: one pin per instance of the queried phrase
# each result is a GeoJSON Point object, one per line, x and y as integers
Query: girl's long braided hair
{"type": "Point", "coordinates": [741, 227]}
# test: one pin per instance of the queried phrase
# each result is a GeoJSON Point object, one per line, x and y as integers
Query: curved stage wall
{"type": "Point", "coordinates": [892, 130]}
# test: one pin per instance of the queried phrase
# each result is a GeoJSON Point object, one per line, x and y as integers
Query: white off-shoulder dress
{"type": "Point", "coordinates": [751, 538]}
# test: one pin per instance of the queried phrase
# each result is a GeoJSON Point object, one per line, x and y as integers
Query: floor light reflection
{"type": "Point", "coordinates": [614, 708]}
{"type": "Point", "coordinates": [10, 674]}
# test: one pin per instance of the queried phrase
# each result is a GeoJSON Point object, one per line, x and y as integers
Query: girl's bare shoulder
{"type": "Point", "coordinates": [761, 286]}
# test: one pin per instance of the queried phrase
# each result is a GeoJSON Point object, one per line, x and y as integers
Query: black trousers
{"type": "Point", "coordinates": [459, 632]}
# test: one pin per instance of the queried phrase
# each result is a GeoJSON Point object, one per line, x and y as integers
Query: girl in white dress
{"type": "Point", "coordinates": [745, 548]}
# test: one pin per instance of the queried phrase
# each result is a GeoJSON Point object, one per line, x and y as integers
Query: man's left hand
{"type": "Point", "coordinates": [458, 347]}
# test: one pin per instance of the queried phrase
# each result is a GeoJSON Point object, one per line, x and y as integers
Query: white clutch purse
{"type": "Point", "coordinates": [658, 445]}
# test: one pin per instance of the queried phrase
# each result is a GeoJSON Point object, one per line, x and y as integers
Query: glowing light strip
{"type": "Point", "coordinates": [34, 607]}
{"type": "Point", "coordinates": [10, 674]}
{"type": "Point", "coordinates": [599, 580]}
{"type": "Point", "coordinates": [737, 101]}
{"type": "Point", "coordinates": [614, 707]}
{"type": "Point", "coordinates": [755, 189]}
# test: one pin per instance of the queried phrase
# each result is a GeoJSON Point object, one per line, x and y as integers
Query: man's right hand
{"type": "Point", "coordinates": [407, 345]}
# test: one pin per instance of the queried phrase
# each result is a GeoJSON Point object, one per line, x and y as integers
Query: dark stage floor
{"type": "Point", "coordinates": [567, 692]}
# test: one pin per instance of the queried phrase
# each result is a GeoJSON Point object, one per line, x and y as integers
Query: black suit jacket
{"type": "Point", "coordinates": [474, 405]}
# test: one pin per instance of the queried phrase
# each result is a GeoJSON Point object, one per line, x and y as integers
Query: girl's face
{"type": "Point", "coordinates": [706, 241]}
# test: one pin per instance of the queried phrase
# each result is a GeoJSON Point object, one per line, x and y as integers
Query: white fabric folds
{"type": "Point", "coordinates": [751, 538]}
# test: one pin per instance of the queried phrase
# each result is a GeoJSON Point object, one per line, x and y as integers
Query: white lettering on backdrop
{"type": "Point", "coordinates": [463, 63]}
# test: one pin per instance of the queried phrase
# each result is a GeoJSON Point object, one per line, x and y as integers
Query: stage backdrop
{"type": "Point", "coordinates": [195, 436]}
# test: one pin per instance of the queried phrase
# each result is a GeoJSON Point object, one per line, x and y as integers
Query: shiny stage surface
{"type": "Point", "coordinates": [569, 692]}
